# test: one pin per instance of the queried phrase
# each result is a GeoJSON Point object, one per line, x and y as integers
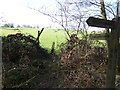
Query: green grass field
{"type": "Point", "coordinates": [47, 37]}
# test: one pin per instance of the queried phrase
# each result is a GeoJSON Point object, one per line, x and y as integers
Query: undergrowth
{"type": "Point", "coordinates": [78, 65]}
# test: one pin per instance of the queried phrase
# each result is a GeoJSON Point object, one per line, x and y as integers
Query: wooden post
{"type": "Point", "coordinates": [113, 56]}
{"type": "Point", "coordinates": [118, 56]}
{"type": "Point", "coordinates": [118, 16]}
{"type": "Point", "coordinates": [118, 62]}
{"type": "Point", "coordinates": [113, 43]}
{"type": "Point", "coordinates": [1, 63]}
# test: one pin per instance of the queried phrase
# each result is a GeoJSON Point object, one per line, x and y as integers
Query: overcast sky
{"type": "Point", "coordinates": [17, 11]}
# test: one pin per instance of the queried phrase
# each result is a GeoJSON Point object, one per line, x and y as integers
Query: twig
{"type": "Point", "coordinates": [29, 80]}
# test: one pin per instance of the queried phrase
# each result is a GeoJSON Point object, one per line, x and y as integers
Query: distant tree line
{"type": "Point", "coordinates": [11, 25]}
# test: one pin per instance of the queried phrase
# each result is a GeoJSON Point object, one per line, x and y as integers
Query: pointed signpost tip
{"type": "Point", "coordinates": [97, 22]}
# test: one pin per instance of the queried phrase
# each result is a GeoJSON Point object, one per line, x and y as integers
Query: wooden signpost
{"type": "Point", "coordinates": [113, 37]}
{"type": "Point", "coordinates": [96, 22]}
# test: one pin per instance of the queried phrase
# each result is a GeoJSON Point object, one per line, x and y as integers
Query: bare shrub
{"type": "Point", "coordinates": [83, 64]}
{"type": "Point", "coordinates": [23, 61]}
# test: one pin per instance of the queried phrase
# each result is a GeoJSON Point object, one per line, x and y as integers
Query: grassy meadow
{"type": "Point", "coordinates": [47, 37]}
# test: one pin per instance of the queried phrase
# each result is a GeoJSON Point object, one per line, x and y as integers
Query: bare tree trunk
{"type": "Point", "coordinates": [111, 43]}
{"type": "Point", "coordinates": [104, 16]}
{"type": "Point", "coordinates": [118, 10]}
{"type": "Point", "coordinates": [103, 13]}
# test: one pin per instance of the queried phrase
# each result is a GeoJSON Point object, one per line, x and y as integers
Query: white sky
{"type": "Point", "coordinates": [17, 11]}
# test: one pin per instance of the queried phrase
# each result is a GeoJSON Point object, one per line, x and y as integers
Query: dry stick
{"type": "Point", "coordinates": [53, 48]}
{"type": "Point", "coordinates": [29, 80]}
{"type": "Point", "coordinates": [39, 33]}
